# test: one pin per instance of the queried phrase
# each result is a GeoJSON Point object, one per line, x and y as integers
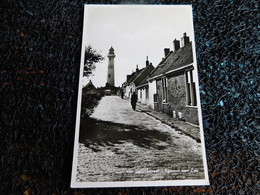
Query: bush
{"type": "Point", "coordinates": [90, 99]}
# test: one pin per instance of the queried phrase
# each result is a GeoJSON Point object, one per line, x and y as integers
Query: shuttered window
{"type": "Point", "coordinates": [190, 88]}
{"type": "Point", "coordinates": [165, 89]}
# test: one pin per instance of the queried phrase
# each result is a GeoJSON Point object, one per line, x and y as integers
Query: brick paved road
{"type": "Point", "coordinates": [119, 144]}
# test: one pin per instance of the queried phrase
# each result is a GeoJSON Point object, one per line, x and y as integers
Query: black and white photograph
{"type": "Point", "coordinates": [139, 120]}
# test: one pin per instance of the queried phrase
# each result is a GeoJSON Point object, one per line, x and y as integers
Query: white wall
{"type": "Point", "coordinates": [152, 91]}
{"type": "Point", "coordinates": [139, 91]}
{"type": "Point", "coordinates": [142, 99]}
{"type": "Point", "coordinates": [127, 92]}
{"type": "Point", "coordinates": [132, 85]}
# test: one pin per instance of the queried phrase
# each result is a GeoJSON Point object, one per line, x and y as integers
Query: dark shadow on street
{"type": "Point", "coordinates": [95, 134]}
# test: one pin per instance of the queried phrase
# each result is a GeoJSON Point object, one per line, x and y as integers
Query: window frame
{"type": "Point", "coordinates": [191, 96]}
{"type": "Point", "coordinates": [165, 98]}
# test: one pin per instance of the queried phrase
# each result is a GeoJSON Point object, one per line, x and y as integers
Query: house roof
{"type": "Point", "coordinates": [134, 75]}
{"type": "Point", "coordinates": [129, 77]}
{"type": "Point", "coordinates": [90, 85]}
{"type": "Point", "coordinates": [144, 81]}
{"type": "Point", "coordinates": [143, 74]}
{"type": "Point", "coordinates": [174, 60]}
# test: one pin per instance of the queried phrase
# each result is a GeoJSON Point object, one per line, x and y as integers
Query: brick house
{"type": "Point", "coordinates": [174, 83]}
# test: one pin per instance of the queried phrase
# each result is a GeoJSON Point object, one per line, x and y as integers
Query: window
{"type": "Point", "coordinates": [190, 88]}
{"type": "Point", "coordinates": [155, 98]}
{"type": "Point", "coordinates": [147, 93]}
{"type": "Point", "coordinates": [165, 89]}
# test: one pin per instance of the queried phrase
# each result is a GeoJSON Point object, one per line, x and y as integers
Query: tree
{"type": "Point", "coordinates": [91, 58]}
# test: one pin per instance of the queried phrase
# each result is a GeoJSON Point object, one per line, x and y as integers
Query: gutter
{"type": "Point", "coordinates": [139, 86]}
{"type": "Point", "coordinates": [171, 71]}
{"type": "Point", "coordinates": [155, 77]}
{"type": "Point", "coordinates": [178, 69]}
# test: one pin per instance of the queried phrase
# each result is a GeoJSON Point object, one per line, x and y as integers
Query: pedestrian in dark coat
{"type": "Point", "coordinates": [133, 100]}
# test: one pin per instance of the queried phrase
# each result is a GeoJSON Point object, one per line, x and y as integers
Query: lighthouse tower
{"type": "Point", "coordinates": [110, 72]}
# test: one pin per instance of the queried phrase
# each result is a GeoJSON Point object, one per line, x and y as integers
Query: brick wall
{"type": "Point", "coordinates": [176, 99]}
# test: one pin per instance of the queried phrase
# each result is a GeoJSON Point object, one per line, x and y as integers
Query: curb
{"type": "Point", "coordinates": [171, 125]}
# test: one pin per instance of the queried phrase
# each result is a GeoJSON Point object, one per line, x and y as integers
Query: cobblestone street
{"type": "Point", "coordinates": [119, 144]}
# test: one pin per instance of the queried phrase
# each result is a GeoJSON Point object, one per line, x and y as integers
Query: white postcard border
{"type": "Point", "coordinates": [75, 184]}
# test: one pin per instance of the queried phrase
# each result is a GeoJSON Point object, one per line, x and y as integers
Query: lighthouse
{"type": "Point", "coordinates": [110, 71]}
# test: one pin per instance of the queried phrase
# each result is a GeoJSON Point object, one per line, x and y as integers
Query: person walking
{"type": "Point", "coordinates": [133, 100]}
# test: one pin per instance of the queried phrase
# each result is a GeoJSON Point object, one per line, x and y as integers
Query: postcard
{"type": "Point", "coordinates": [139, 119]}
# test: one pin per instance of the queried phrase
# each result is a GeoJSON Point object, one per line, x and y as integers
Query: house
{"type": "Point", "coordinates": [136, 78]}
{"type": "Point", "coordinates": [143, 91]}
{"type": "Point", "coordinates": [139, 83]}
{"type": "Point", "coordinates": [142, 87]}
{"type": "Point", "coordinates": [127, 86]}
{"type": "Point", "coordinates": [172, 88]}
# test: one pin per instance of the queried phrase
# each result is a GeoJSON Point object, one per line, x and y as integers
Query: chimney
{"type": "Point", "coordinates": [166, 51]}
{"type": "Point", "coordinates": [147, 61]}
{"type": "Point", "coordinates": [184, 40]}
{"type": "Point", "coordinates": [137, 69]}
{"type": "Point", "coordinates": [176, 45]}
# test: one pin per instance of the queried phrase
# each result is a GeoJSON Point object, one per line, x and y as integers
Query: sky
{"type": "Point", "coordinates": [134, 31]}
